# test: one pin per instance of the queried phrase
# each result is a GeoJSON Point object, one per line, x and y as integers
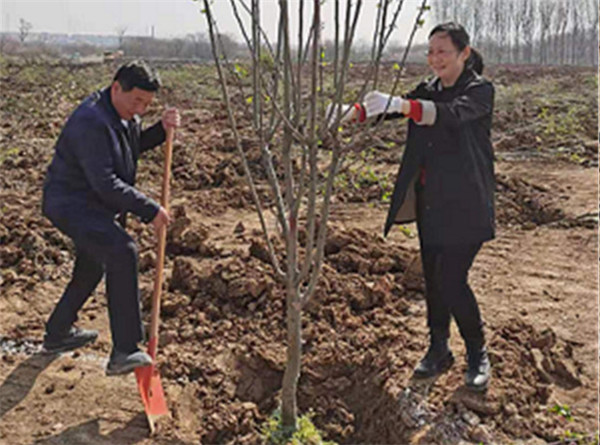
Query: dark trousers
{"type": "Point", "coordinates": [103, 247]}
{"type": "Point", "coordinates": [448, 293]}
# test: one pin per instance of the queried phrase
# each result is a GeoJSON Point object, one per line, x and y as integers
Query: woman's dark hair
{"type": "Point", "coordinates": [460, 39]}
{"type": "Point", "coordinates": [137, 74]}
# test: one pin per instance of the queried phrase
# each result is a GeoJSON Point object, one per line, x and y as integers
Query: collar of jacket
{"type": "Point", "coordinates": [111, 111]}
{"type": "Point", "coordinates": [435, 84]}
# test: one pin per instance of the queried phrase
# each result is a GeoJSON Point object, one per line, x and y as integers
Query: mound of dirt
{"type": "Point", "coordinates": [374, 402]}
{"type": "Point", "coordinates": [519, 202]}
{"type": "Point", "coordinates": [30, 249]}
{"type": "Point", "coordinates": [224, 341]}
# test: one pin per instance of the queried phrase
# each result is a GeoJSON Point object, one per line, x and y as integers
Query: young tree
{"type": "Point", "coordinates": [441, 10]}
{"type": "Point", "coordinates": [518, 23]}
{"type": "Point", "coordinates": [592, 43]}
{"type": "Point", "coordinates": [121, 30]}
{"type": "Point", "coordinates": [529, 22]}
{"type": "Point", "coordinates": [575, 23]}
{"type": "Point", "coordinates": [289, 118]}
{"type": "Point", "coordinates": [509, 12]}
{"type": "Point", "coordinates": [496, 21]}
{"type": "Point", "coordinates": [177, 45]}
{"type": "Point", "coordinates": [546, 11]}
{"type": "Point", "coordinates": [487, 31]}
{"type": "Point", "coordinates": [24, 29]}
{"type": "Point", "coordinates": [562, 23]}
{"type": "Point", "coordinates": [200, 45]}
{"type": "Point", "coordinates": [477, 24]}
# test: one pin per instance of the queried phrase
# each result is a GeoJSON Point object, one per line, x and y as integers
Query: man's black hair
{"type": "Point", "coordinates": [460, 39]}
{"type": "Point", "coordinates": [137, 74]}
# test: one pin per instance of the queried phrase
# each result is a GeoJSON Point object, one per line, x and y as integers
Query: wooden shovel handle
{"type": "Point", "coordinates": [160, 254]}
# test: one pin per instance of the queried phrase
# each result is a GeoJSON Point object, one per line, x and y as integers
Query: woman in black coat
{"type": "Point", "coordinates": [446, 183]}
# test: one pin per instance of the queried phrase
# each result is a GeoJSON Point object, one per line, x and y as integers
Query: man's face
{"type": "Point", "coordinates": [130, 103]}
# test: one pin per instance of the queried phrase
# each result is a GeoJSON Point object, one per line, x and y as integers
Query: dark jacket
{"type": "Point", "coordinates": [456, 201]}
{"type": "Point", "coordinates": [95, 163]}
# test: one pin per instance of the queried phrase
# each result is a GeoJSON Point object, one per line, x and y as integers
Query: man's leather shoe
{"type": "Point", "coordinates": [123, 363]}
{"type": "Point", "coordinates": [73, 339]}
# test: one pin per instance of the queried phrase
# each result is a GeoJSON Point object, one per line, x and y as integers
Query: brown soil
{"type": "Point", "coordinates": [221, 353]}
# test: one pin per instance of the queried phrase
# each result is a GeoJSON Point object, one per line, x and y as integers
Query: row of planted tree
{"type": "Point", "coordinates": [546, 32]}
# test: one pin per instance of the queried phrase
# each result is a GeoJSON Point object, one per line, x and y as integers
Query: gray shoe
{"type": "Point", "coordinates": [123, 363]}
{"type": "Point", "coordinates": [72, 339]}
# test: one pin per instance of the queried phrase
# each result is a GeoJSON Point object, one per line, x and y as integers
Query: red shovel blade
{"type": "Point", "coordinates": [151, 390]}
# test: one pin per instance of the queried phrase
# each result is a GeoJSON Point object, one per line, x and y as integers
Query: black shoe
{"type": "Point", "coordinates": [438, 359]}
{"type": "Point", "coordinates": [73, 339]}
{"type": "Point", "coordinates": [478, 370]}
{"type": "Point", "coordinates": [123, 363]}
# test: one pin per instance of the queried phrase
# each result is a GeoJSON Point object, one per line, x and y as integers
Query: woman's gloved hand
{"type": "Point", "coordinates": [331, 113]}
{"type": "Point", "coordinates": [375, 103]}
{"type": "Point", "coordinates": [348, 113]}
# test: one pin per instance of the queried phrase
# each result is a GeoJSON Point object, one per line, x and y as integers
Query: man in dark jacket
{"type": "Point", "coordinates": [88, 191]}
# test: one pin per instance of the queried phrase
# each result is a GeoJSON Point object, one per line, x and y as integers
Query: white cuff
{"type": "Point", "coordinates": [429, 112]}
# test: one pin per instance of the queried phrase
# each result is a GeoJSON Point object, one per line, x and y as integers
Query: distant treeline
{"type": "Point", "coordinates": [547, 32]}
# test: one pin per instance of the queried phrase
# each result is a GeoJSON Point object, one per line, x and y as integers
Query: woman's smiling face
{"type": "Point", "coordinates": [446, 61]}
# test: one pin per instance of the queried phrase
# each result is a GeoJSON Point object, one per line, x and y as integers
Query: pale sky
{"type": "Point", "coordinates": [177, 18]}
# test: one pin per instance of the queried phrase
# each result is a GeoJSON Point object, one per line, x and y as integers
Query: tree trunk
{"type": "Point", "coordinates": [289, 408]}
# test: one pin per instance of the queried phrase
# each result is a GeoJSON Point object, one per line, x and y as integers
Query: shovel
{"type": "Point", "coordinates": [148, 377]}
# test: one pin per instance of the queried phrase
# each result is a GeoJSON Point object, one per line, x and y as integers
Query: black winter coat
{"type": "Point", "coordinates": [456, 203]}
{"type": "Point", "coordinates": [95, 163]}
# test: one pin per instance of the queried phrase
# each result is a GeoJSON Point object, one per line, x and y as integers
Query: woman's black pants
{"type": "Point", "coordinates": [446, 270]}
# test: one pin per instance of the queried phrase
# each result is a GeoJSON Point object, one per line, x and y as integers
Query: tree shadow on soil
{"type": "Point", "coordinates": [134, 431]}
{"type": "Point", "coordinates": [20, 381]}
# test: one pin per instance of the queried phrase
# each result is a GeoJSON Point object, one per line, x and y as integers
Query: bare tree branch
{"type": "Point", "coordinates": [383, 7]}
{"type": "Point", "coordinates": [264, 35]}
{"type": "Point", "coordinates": [232, 123]}
{"type": "Point", "coordinates": [418, 23]}
{"type": "Point", "coordinates": [324, 216]}
{"type": "Point", "coordinates": [241, 26]}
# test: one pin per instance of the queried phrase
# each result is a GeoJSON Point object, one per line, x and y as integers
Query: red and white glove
{"type": "Point", "coordinates": [348, 113]}
{"type": "Point", "coordinates": [376, 102]}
